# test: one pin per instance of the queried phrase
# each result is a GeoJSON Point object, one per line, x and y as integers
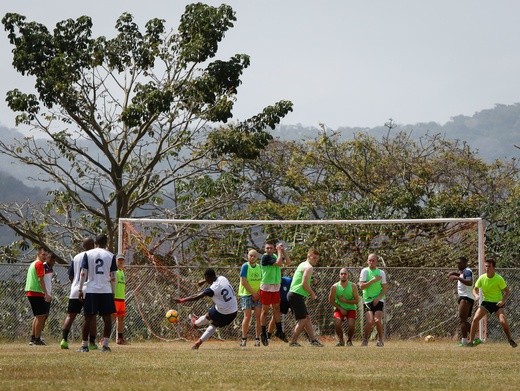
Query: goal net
{"type": "Point", "coordinates": [167, 258]}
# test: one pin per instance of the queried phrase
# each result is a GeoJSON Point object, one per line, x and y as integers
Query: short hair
{"type": "Point", "coordinates": [88, 243]}
{"type": "Point", "coordinates": [101, 240]}
{"type": "Point", "coordinates": [463, 259]}
{"type": "Point", "coordinates": [491, 261]}
{"type": "Point", "coordinates": [252, 251]}
{"type": "Point", "coordinates": [271, 242]}
{"type": "Point", "coordinates": [210, 274]}
{"type": "Point", "coordinates": [313, 250]}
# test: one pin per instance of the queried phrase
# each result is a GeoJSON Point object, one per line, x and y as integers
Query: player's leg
{"type": "Point", "coordinates": [479, 314]}
{"type": "Point", "coordinates": [245, 322]}
{"type": "Point", "coordinates": [503, 322]}
{"type": "Point", "coordinates": [369, 323]}
{"type": "Point", "coordinates": [378, 321]}
{"type": "Point", "coordinates": [257, 309]}
{"type": "Point", "coordinates": [351, 321]}
{"type": "Point", "coordinates": [464, 314]}
{"type": "Point", "coordinates": [338, 327]}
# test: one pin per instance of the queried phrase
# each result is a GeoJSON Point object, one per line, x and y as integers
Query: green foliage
{"type": "Point", "coordinates": [128, 120]}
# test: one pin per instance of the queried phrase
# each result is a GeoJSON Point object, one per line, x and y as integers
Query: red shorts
{"type": "Point", "coordinates": [120, 307]}
{"type": "Point", "coordinates": [351, 314]}
{"type": "Point", "coordinates": [269, 298]}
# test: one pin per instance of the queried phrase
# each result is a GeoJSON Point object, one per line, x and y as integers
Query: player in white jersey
{"type": "Point", "coordinates": [75, 305]}
{"type": "Point", "coordinates": [98, 267]}
{"type": "Point", "coordinates": [464, 278]}
{"type": "Point", "coordinates": [225, 307]}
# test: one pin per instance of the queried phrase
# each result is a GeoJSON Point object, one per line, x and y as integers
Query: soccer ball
{"type": "Point", "coordinates": [172, 316]}
{"type": "Point", "coordinates": [429, 338]}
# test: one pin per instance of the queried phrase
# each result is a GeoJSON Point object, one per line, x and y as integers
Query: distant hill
{"type": "Point", "coordinates": [12, 189]}
{"type": "Point", "coordinates": [492, 132]}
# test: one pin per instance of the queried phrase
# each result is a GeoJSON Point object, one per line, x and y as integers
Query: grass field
{"type": "Point", "coordinates": [400, 365]}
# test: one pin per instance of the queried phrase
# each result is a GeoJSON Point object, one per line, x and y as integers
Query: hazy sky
{"type": "Point", "coordinates": [343, 62]}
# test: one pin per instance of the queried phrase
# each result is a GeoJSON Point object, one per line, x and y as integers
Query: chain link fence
{"type": "Point", "coordinates": [420, 301]}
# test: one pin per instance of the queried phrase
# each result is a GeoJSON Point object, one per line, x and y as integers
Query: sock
{"type": "Point", "coordinates": [279, 327]}
{"type": "Point", "coordinates": [120, 335]}
{"type": "Point", "coordinates": [84, 343]}
{"type": "Point", "coordinates": [264, 329]}
{"type": "Point", "coordinates": [464, 340]}
{"type": "Point", "coordinates": [65, 334]}
{"type": "Point", "coordinates": [105, 341]}
{"type": "Point", "coordinates": [208, 333]}
{"type": "Point", "coordinates": [33, 338]}
{"type": "Point", "coordinates": [269, 335]}
{"type": "Point", "coordinates": [92, 339]}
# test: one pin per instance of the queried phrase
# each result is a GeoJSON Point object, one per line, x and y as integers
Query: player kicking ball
{"type": "Point", "coordinates": [221, 313]}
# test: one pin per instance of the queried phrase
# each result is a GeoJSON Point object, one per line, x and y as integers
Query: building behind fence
{"type": "Point", "coordinates": [420, 301]}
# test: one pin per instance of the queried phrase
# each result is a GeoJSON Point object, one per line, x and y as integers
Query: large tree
{"type": "Point", "coordinates": [128, 122]}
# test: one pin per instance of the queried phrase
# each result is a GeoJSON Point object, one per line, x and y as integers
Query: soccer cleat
{"type": "Point", "coordinates": [121, 341]}
{"type": "Point", "coordinates": [193, 319]}
{"type": "Point", "coordinates": [92, 346]}
{"type": "Point", "coordinates": [243, 343]}
{"type": "Point", "coordinates": [316, 343]}
{"type": "Point", "coordinates": [477, 341]}
{"type": "Point", "coordinates": [264, 339]}
{"type": "Point", "coordinates": [39, 341]}
{"type": "Point", "coordinates": [257, 341]}
{"type": "Point", "coordinates": [64, 344]}
{"type": "Point", "coordinates": [349, 343]}
{"type": "Point", "coordinates": [340, 343]}
{"type": "Point", "coordinates": [83, 349]}
{"type": "Point", "coordinates": [294, 345]}
{"type": "Point", "coordinates": [197, 345]}
{"type": "Point", "coordinates": [364, 343]}
{"type": "Point", "coordinates": [105, 349]}
{"type": "Point", "coordinates": [462, 344]}
{"type": "Point", "coordinates": [281, 335]}
{"type": "Point", "coordinates": [380, 343]}
{"type": "Point", "coordinates": [512, 343]}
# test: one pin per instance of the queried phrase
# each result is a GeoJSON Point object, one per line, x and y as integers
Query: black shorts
{"type": "Point", "coordinates": [370, 307]}
{"type": "Point", "coordinates": [490, 307]}
{"type": "Point", "coordinates": [75, 306]}
{"type": "Point", "coordinates": [298, 306]}
{"type": "Point", "coordinates": [284, 307]}
{"type": "Point", "coordinates": [99, 303]}
{"type": "Point", "coordinates": [220, 320]}
{"type": "Point", "coordinates": [470, 303]}
{"type": "Point", "coordinates": [38, 305]}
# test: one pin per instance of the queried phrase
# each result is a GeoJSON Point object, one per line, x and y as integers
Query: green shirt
{"type": "Point", "coordinates": [297, 281]}
{"type": "Point", "coordinates": [120, 285]}
{"type": "Point", "coordinates": [32, 283]}
{"type": "Point", "coordinates": [253, 275]}
{"type": "Point", "coordinates": [347, 294]}
{"type": "Point", "coordinates": [491, 287]}
{"type": "Point", "coordinates": [371, 292]}
{"type": "Point", "coordinates": [271, 274]}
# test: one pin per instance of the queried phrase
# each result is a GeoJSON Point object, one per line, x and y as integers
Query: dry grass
{"type": "Point", "coordinates": [400, 365]}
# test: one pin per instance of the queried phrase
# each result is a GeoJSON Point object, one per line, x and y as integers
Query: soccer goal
{"type": "Point", "coordinates": [417, 253]}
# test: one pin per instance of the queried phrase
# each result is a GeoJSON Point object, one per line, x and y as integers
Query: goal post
{"type": "Point", "coordinates": [415, 251]}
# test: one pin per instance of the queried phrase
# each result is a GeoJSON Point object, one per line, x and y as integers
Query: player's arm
{"type": "Point", "coordinates": [476, 293]}
{"type": "Point", "coordinates": [83, 275]}
{"type": "Point", "coordinates": [355, 293]}
{"type": "Point", "coordinates": [245, 284]}
{"type": "Point", "coordinates": [506, 292]}
{"type": "Point", "coordinates": [194, 297]}
{"type": "Point", "coordinates": [285, 254]}
{"type": "Point", "coordinates": [307, 273]}
{"type": "Point", "coordinates": [332, 297]}
{"type": "Point", "coordinates": [355, 296]}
